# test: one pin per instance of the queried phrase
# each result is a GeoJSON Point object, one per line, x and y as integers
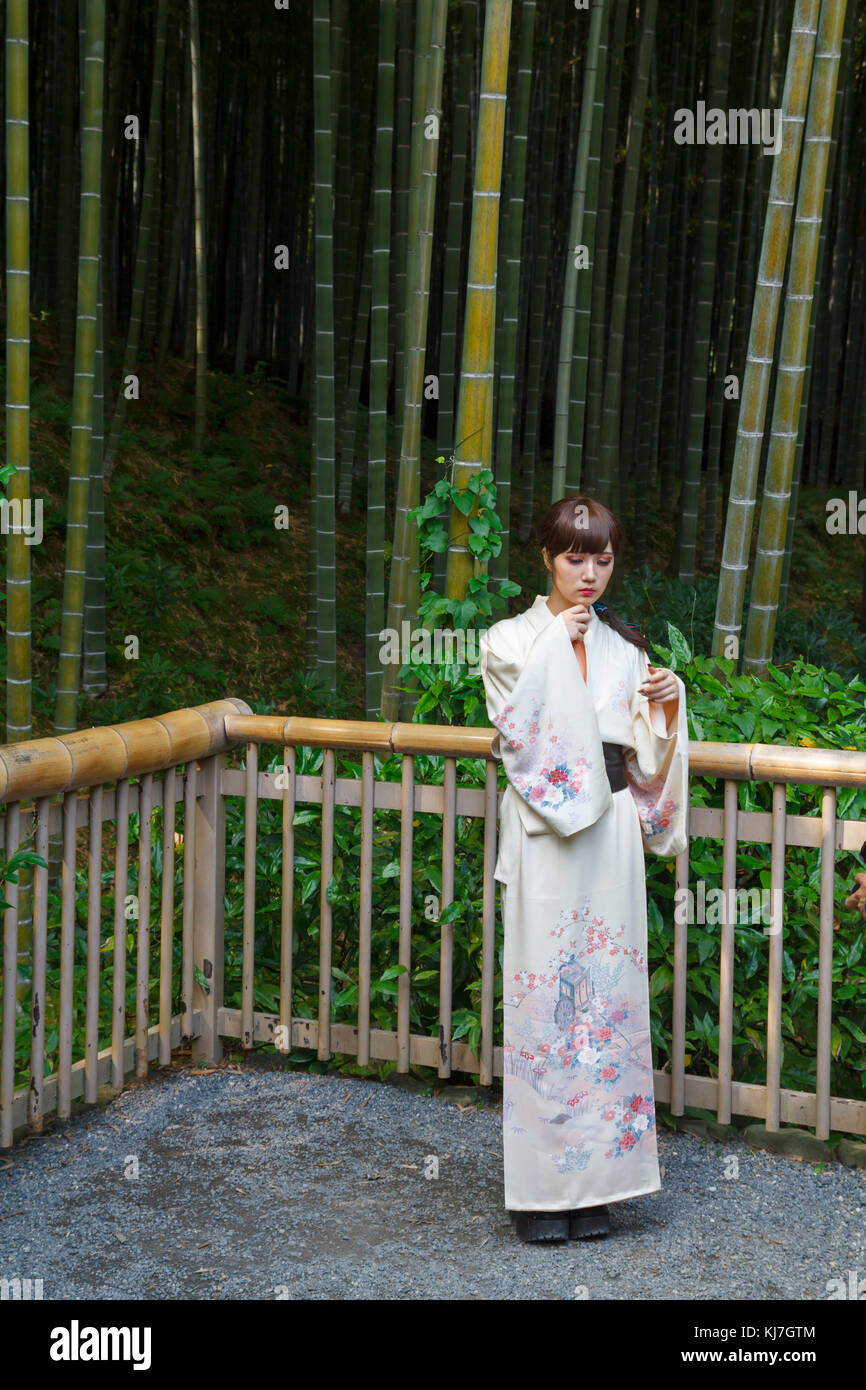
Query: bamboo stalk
{"type": "Point", "coordinates": [130, 358]}
{"type": "Point", "coordinates": [610, 461]}
{"type": "Point", "coordinates": [507, 345]}
{"type": "Point", "coordinates": [321, 610]}
{"type": "Point", "coordinates": [72, 621]}
{"type": "Point", "coordinates": [199, 226]}
{"type": "Point", "coordinates": [403, 592]}
{"type": "Point", "coordinates": [772, 529]}
{"type": "Point", "coordinates": [18, 635]}
{"type": "Point", "coordinates": [750, 429]}
{"type": "Point", "coordinates": [473, 450]}
{"type": "Point", "coordinates": [597, 29]}
{"type": "Point", "coordinates": [379, 322]}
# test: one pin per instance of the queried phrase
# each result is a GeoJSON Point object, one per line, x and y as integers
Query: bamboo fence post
{"type": "Point", "coordinates": [209, 924]}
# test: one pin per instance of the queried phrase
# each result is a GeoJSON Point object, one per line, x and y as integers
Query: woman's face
{"type": "Point", "coordinates": [580, 578]}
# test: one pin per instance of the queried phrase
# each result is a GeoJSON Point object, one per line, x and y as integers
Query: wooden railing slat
{"type": "Point", "coordinates": [251, 804]}
{"type": "Point", "coordinates": [288, 897]}
{"type": "Point", "coordinates": [142, 974]}
{"type": "Point", "coordinates": [446, 934]}
{"type": "Point", "coordinates": [10, 981]}
{"type": "Point", "coordinates": [166, 932]}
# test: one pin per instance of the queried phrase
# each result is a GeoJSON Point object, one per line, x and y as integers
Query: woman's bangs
{"type": "Point", "coordinates": [590, 538]}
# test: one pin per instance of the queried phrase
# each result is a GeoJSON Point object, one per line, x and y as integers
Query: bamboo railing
{"type": "Point", "coordinates": [31, 774]}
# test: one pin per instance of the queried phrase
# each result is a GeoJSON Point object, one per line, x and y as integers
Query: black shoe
{"type": "Point", "coordinates": [588, 1221]}
{"type": "Point", "coordinates": [542, 1225]}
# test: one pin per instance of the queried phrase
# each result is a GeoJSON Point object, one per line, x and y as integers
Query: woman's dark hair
{"type": "Point", "coordinates": [582, 525]}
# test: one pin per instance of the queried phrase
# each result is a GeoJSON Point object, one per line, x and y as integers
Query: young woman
{"type": "Point", "coordinates": [595, 746]}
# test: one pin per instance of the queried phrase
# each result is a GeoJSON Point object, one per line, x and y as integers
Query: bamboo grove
{"type": "Point", "coordinates": [616, 246]}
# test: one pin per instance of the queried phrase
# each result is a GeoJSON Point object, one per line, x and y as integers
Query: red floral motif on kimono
{"type": "Point", "coordinates": [583, 1048]}
{"type": "Point", "coordinates": [633, 1119]}
{"type": "Point", "coordinates": [551, 777]}
{"type": "Point", "coordinates": [655, 817]}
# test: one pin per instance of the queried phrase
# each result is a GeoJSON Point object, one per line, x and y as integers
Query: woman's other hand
{"type": "Point", "coordinates": [661, 688]}
{"type": "Point", "coordinates": [661, 685]}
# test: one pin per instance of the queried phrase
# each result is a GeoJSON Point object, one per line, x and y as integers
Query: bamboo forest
{"type": "Point", "coordinates": [314, 309]}
{"type": "Point", "coordinates": [360, 238]}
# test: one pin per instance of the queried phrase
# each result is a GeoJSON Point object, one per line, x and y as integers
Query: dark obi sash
{"type": "Point", "coordinates": [613, 763]}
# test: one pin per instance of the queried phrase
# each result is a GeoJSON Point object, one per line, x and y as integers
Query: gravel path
{"type": "Point", "coordinates": [262, 1183]}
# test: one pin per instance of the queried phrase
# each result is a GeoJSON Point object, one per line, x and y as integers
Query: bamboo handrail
{"type": "Point", "coordinates": [749, 762]}
{"type": "Point", "coordinates": [88, 757]}
{"type": "Point", "coordinates": [48, 766]}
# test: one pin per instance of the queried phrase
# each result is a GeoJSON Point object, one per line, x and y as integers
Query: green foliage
{"type": "Point", "coordinates": [343, 894]}
{"type": "Point", "coordinates": [807, 706]}
{"type": "Point", "coordinates": [106, 949]}
{"type": "Point", "coordinates": [827, 635]}
{"type": "Point", "coordinates": [451, 690]}
{"type": "Point", "coordinates": [9, 868]}
{"type": "Point", "coordinates": [477, 502]}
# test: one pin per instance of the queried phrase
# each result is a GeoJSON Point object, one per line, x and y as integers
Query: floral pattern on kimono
{"type": "Point", "coordinates": [550, 727]}
{"type": "Point", "coordinates": [589, 1065]}
{"type": "Point", "coordinates": [547, 780]}
{"type": "Point", "coordinates": [620, 700]}
{"type": "Point", "coordinates": [578, 1103]}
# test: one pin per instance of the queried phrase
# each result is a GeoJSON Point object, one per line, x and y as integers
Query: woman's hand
{"type": "Point", "coordinates": [576, 620]}
{"type": "Point", "coordinates": [660, 686]}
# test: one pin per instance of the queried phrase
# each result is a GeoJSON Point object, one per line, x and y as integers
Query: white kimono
{"type": "Point", "coordinates": [578, 1104]}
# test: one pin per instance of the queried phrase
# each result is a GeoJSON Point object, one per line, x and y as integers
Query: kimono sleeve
{"type": "Point", "coordinates": [549, 740]}
{"type": "Point", "coordinates": [657, 767]}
